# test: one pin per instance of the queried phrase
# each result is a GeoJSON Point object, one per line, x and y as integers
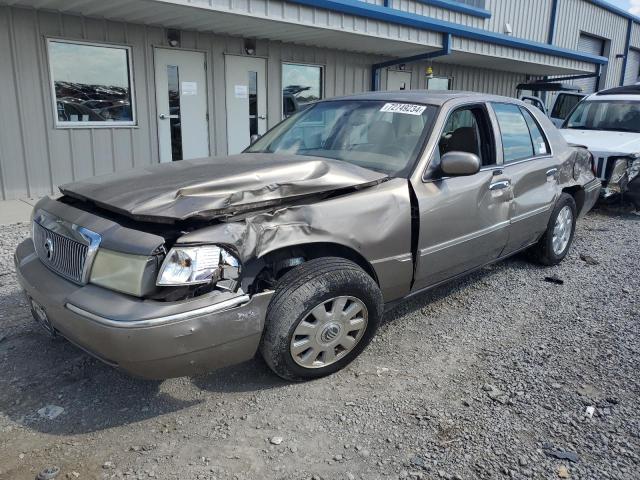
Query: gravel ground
{"type": "Point", "coordinates": [490, 377]}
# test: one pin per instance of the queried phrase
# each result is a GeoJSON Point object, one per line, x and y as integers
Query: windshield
{"type": "Point", "coordinates": [617, 116]}
{"type": "Point", "coordinates": [382, 136]}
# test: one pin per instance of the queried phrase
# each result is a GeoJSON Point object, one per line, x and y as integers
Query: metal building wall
{"type": "Point", "coordinates": [529, 19]}
{"type": "Point", "coordinates": [463, 78]}
{"type": "Point", "coordinates": [635, 35]}
{"type": "Point", "coordinates": [575, 16]}
{"type": "Point", "coordinates": [35, 157]}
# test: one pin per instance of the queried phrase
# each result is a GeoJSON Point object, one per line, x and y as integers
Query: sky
{"type": "Point", "coordinates": [632, 6]}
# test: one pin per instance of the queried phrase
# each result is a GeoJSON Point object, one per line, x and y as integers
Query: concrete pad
{"type": "Point", "coordinates": [14, 211]}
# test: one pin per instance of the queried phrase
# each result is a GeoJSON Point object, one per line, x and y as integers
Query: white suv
{"type": "Point", "coordinates": [608, 124]}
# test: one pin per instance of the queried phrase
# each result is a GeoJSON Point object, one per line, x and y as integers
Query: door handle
{"type": "Point", "coordinates": [551, 172]}
{"type": "Point", "coordinates": [501, 185]}
{"type": "Point", "coordinates": [262, 117]}
{"type": "Point", "coordinates": [164, 116]}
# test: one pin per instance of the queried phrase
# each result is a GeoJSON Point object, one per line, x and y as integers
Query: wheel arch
{"type": "Point", "coordinates": [578, 194]}
{"type": "Point", "coordinates": [283, 258]}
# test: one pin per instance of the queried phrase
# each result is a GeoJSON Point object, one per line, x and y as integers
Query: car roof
{"type": "Point", "coordinates": [629, 93]}
{"type": "Point", "coordinates": [429, 97]}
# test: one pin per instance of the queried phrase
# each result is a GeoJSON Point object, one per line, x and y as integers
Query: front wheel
{"type": "Point", "coordinates": [321, 317]}
{"type": "Point", "coordinates": [557, 239]}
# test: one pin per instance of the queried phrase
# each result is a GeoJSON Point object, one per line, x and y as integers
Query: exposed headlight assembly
{"type": "Point", "coordinates": [197, 266]}
{"type": "Point", "coordinates": [634, 168]}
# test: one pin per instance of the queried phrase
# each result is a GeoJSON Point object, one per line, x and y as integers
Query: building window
{"type": "Point", "coordinates": [438, 83]}
{"type": "Point", "coordinates": [301, 85]}
{"type": "Point", "coordinates": [92, 84]}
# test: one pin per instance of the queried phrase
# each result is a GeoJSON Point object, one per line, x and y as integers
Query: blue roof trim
{"type": "Point", "coordinates": [614, 9]}
{"type": "Point", "coordinates": [458, 7]}
{"type": "Point", "coordinates": [390, 15]}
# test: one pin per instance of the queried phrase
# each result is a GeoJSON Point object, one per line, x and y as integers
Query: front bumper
{"type": "Point", "coordinates": [146, 338]}
{"type": "Point", "coordinates": [591, 195]}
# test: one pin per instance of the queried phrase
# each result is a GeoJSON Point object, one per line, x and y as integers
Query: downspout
{"type": "Point", "coordinates": [553, 22]}
{"type": "Point", "coordinates": [627, 50]}
{"type": "Point", "coordinates": [375, 68]}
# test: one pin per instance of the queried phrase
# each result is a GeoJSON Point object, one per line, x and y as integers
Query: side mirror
{"type": "Point", "coordinates": [253, 139]}
{"type": "Point", "coordinates": [459, 164]}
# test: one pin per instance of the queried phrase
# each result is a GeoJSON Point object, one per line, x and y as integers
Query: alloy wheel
{"type": "Point", "coordinates": [562, 230]}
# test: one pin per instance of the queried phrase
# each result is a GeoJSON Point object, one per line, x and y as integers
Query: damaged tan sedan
{"type": "Point", "coordinates": [295, 247]}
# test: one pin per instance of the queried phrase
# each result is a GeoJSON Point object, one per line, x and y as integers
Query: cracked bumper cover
{"type": "Point", "coordinates": [146, 338]}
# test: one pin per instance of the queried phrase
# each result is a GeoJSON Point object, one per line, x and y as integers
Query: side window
{"type": "Point", "coordinates": [516, 139]}
{"type": "Point", "coordinates": [540, 144]}
{"type": "Point", "coordinates": [467, 130]}
{"type": "Point", "coordinates": [564, 104]}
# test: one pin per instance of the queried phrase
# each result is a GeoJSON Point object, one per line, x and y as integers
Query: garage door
{"type": "Point", "coordinates": [594, 46]}
{"type": "Point", "coordinates": [632, 75]}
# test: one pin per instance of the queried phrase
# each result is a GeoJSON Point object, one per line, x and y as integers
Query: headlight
{"type": "Point", "coordinates": [197, 265]}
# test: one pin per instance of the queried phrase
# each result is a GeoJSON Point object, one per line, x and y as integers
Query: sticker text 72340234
{"type": "Point", "coordinates": [408, 108]}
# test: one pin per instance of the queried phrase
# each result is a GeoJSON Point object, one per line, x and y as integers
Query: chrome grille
{"type": "Point", "coordinates": [65, 248]}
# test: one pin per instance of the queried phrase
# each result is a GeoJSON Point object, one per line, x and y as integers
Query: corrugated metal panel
{"type": "Point", "coordinates": [595, 46]}
{"type": "Point", "coordinates": [529, 19]}
{"type": "Point", "coordinates": [481, 80]}
{"type": "Point", "coordinates": [427, 10]}
{"type": "Point", "coordinates": [635, 35]}
{"type": "Point", "coordinates": [530, 62]}
{"type": "Point", "coordinates": [632, 74]}
{"type": "Point", "coordinates": [579, 16]}
{"type": "Point", "coordinates": [35, 157]}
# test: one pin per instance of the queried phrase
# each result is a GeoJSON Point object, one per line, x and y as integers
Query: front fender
{"type": "Point", "coordinates": [374, 222]}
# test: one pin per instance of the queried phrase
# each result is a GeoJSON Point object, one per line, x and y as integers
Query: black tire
{"type": "Point", "coordinates": [298, 292]}
{"type": "Point", "coordinates": [542, 252]}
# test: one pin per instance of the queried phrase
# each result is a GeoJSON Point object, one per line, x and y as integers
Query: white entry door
{"type": "Point", "coordinates": [246, 84]}
{"type": "Point", "coordinates": [181, 96]}
{"type": "Point", "coordinates": [398, 80]}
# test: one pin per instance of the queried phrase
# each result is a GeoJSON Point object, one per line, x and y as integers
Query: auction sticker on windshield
{"type": "Point", "coordinates": [407, 108]}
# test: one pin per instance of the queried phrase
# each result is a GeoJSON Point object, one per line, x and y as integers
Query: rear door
{"type": "Point", "coordinates": [463, 220]}
{"type": "Point", "coordinates": [532, 170]}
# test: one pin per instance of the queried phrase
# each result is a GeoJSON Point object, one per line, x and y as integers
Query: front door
{"type": "Point", "coordinates": [463, 220]}
{"type": "Point", "coordinates": [246, 84]}
{"type": "Point", "coordinates": [398, 80]}
{"type": "Point", "coordinates": [181, 98]}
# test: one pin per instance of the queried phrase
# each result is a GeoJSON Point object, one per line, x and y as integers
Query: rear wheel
{"type": "Point", "coordinates": [557, 239]}
{"type": "Point", "coordinates": [322, 316]}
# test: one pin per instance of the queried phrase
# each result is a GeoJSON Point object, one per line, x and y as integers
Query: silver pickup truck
{"type": "Point", "coordinates": [295, 247]}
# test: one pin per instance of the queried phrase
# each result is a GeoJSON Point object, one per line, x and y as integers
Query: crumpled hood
{"type": "Point", "coordinates": [210, 187]}
{"type": "Point", "coordinates": [604, 141]}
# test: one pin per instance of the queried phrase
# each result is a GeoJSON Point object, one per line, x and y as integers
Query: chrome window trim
{"type": "Point", "coordinates": [444, 114]}
{"type": "Point", "coordinates": [74, 232]}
